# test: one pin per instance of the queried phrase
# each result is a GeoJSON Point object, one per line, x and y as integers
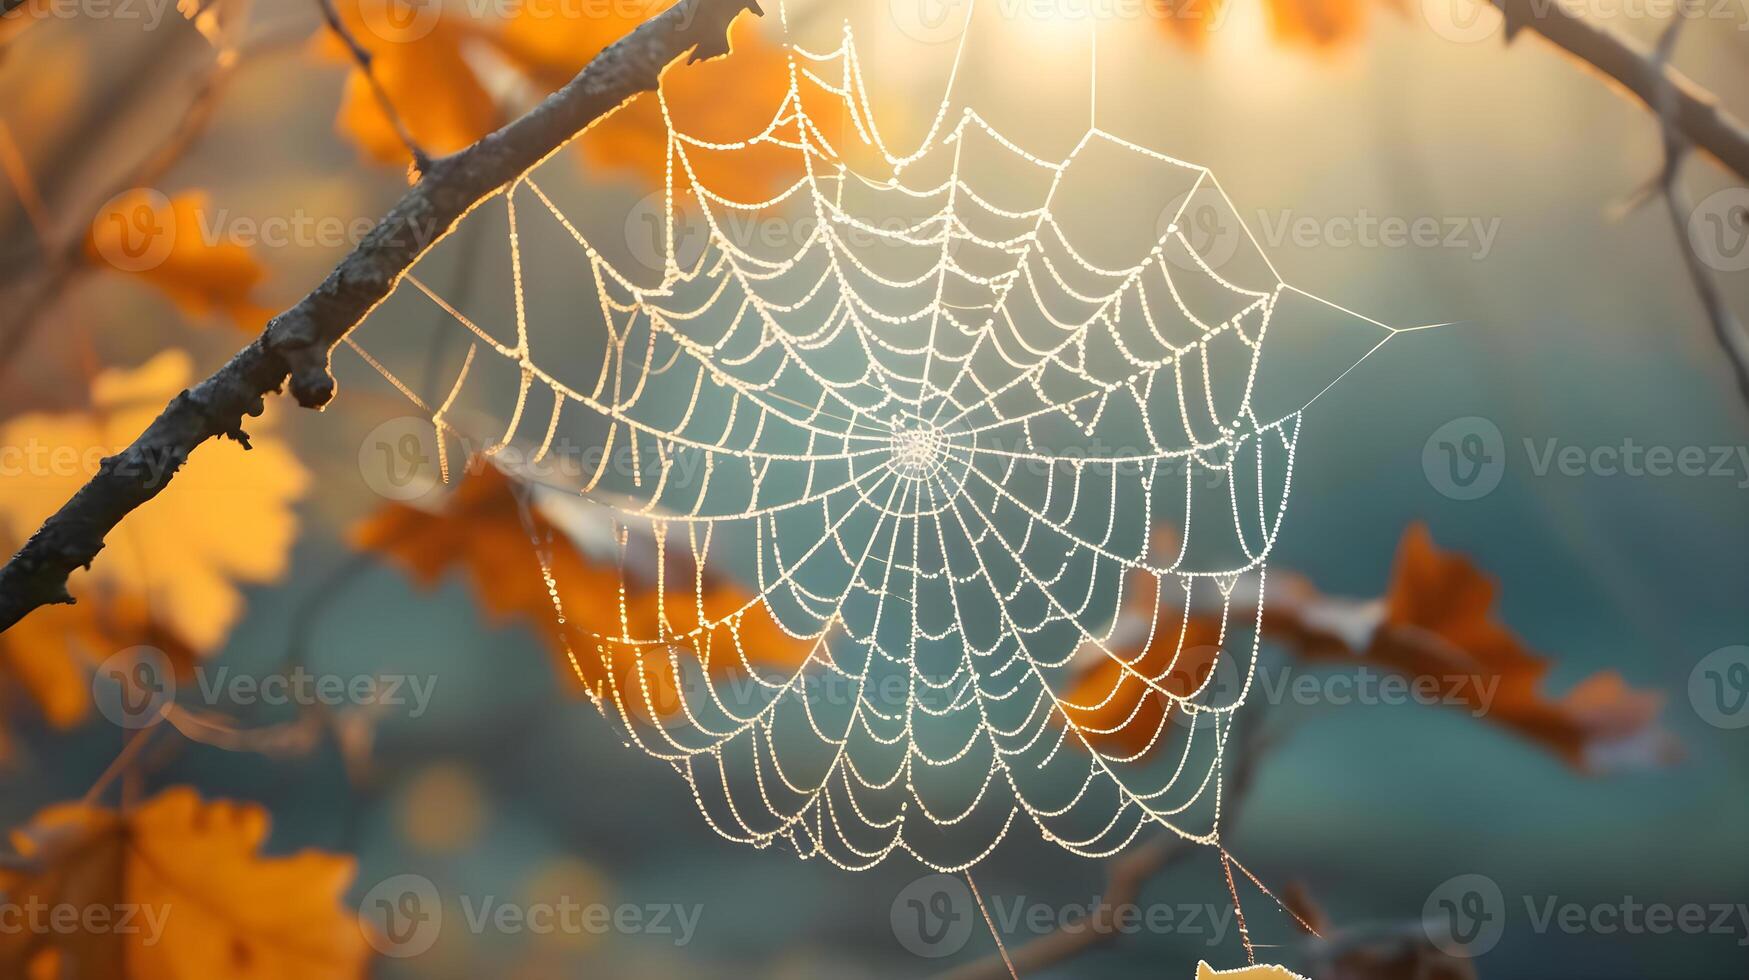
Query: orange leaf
{"type": "Point", "coordinates": [1321, 24]}
{"type": "Point", "coordinates": [52, 652]}
{"type": "Point", "coordinates": [483, 533]}
{"type": "Point", "coordinates": [1114, 705]}
{"type": "Point", "coordinates": [165, 242]}
{"type": "Point", "coordinates": [1256, 972]}
{"type": "Point", "coordinates": [1437, 621]}
{"type": "Point", "coordinates": [182, 891]}
{"type": "Point", "coordinates": [226, 518]}
{"type": "Point", "coordinates": [423, 66]}
{"type": "Point", "coordinates": [721, 100]}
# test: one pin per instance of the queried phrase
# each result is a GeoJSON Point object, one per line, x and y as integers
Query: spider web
{"type": "Point", "coordinates": [957, 439]}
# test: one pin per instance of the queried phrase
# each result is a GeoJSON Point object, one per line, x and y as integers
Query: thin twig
{"type": "Point", "coordinates": [1696, 112]}
{"type": "Point", "coordinates": [1726, 327]}
{"type": "Point", "coordinates": [65, 261]}
{"type": "Point", "coordinates": [362, 57]}
{"type": "Point", "coordinates": [296, 345]}
{"type": "Point", "coordinates": [18, 173]}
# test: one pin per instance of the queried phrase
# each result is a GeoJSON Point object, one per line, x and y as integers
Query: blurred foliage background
{"type": "Point", "coordinates": [1576, 323]}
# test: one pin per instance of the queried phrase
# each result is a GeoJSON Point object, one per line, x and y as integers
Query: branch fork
{"type": "Point", "coordinates": [297, 345]}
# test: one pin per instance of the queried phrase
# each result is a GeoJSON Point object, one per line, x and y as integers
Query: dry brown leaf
{"type": "Point", "coordinates": [165, 241]}
{"type": "Point", "coordinates": [199, 899]}
{"type": "Point", "coordinates": [225, 519]}
{"type": "Point", "coordinates": [481, 533]}
{"type": "Point", "coordinates": [1435, 622]}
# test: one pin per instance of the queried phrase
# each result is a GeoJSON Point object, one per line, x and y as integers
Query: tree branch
{"type": "Point", "coordinates": [297, 344]}
{"type": "Point", "coordinates": [362, 57]}
{"type": "Point", "coordinates": [1695, 111]}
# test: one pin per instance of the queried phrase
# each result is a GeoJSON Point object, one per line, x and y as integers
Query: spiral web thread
{"type": "Point", "coordinates": [898, 465]}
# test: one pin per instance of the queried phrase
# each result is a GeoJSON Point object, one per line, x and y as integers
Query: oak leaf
{"type": "Point", "coordinates": [176, 887]}
{"type": "Point", "coordinates": [166, 242]}
{"type": "Point", "coordinates": [225, 519]}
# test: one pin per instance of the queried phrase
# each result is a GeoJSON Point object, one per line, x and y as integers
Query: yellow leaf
{"type": "Point", "coordinates": [52, 652]}
{"type": "Point", "coordinates": [1259, 972]}
{"type": "Point", "coordinates": [165, 242]}
{"type": "Point", "coordinates": [199, 899]}
{"type": "Point", "coordinates": [226, 518]}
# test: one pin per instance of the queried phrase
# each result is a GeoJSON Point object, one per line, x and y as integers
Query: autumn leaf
{"type": "Point", "coordinates": [198, 898]}
{"type": "Point", "coordinates": [1115, 702]}
{"type": "Point", "coordinates": [164, 241]}
{"type": "Point", "coordinates": [424, 68]}
{"type": "Point", "coordinates": [1257, 972]}
{"type": "Point", "coordinates": [721, 100]}
{"type": "Point", "coordinates": [435, 71]}
{"type": "Point", "coordinates": [1435, 622]}
{"type": "Point", "coordinates": [52, 652]}
{"type": "Point", "coordinates": [483, 533]}
{"type": "Point", "coordinates": [1314, 24]}
{"type": "Point", "coordinates": [226, 519]}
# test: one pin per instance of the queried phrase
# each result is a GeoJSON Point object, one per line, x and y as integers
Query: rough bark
{"type": "Point", "coordinates": [297, 344]}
